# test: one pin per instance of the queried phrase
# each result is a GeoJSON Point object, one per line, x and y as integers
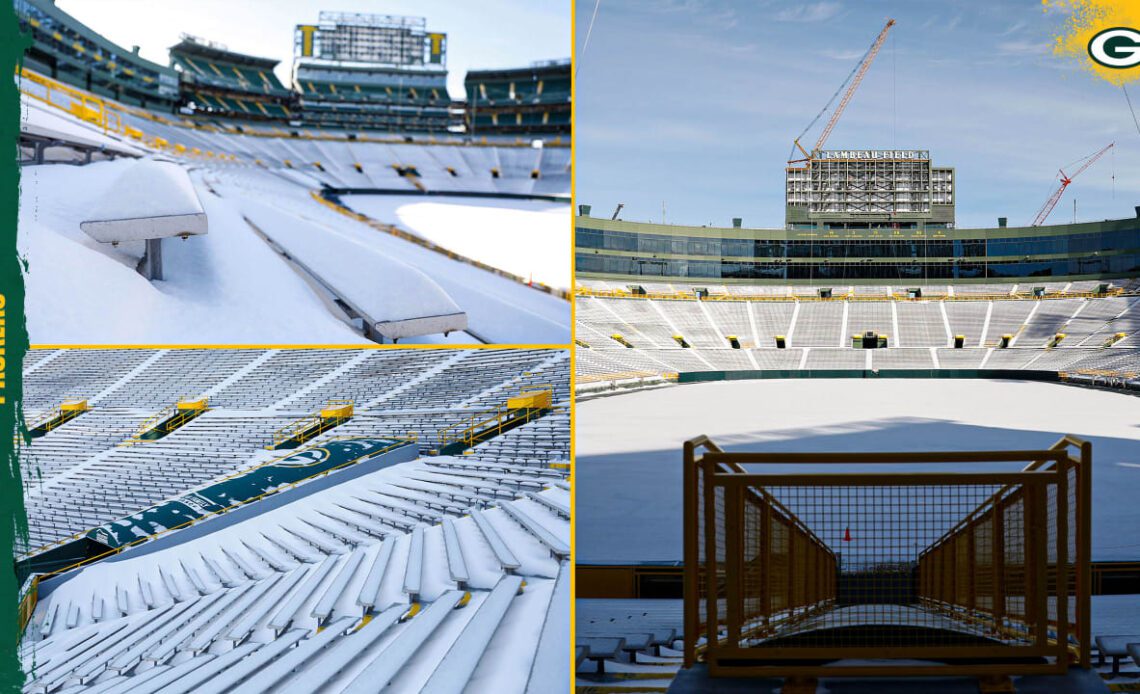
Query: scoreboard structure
{"type": "Point", "coordinates": [348, 37]}
{"type": "Point", "coordinates": [855, 189]}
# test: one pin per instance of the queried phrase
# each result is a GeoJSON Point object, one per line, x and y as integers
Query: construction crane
{"type": "Point", "coordinates": [854, 79]}
{"type": "Point", "coordinates": [1065, 181]}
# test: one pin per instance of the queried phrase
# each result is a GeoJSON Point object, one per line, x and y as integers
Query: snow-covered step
{"type": "Point", "coordinates": [454, 670]}
{"type": "Point", "coordinates": [292, 605]}
{"type": "Point", "coordinates": [413, 572]}
{"type": "Point", "coordinates": [370, 590]}
{"type": "Point", "coordinates": [506, 558]}
{"type": "Point", "coordinates": [456, 564]}
{"type": "Point", "coordinates": [343, 653]}
{"type": "Point", "coordinates": [556, 546]}
{"type": "Point", "coordinates": [389, 661]}
{"type": "Point", "coordinates": [324, 607]}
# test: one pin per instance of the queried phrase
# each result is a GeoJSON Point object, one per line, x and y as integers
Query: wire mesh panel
{"type": "Point", "coordinates": [966, 571]}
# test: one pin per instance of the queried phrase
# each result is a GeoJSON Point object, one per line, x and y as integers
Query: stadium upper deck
{"type": "Point", "coordinates": [216, 81]}
{"type": "Point", "coordinates": [208, 82]}
{"type": "Point", "coordinates": [534, 99]}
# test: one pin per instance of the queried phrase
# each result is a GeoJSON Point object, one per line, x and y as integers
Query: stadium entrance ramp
{"type": "Point", "coordinates": [971, 569]}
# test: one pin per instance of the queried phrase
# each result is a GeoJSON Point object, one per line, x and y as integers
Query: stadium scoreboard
{"type": "Point", "coordinates": [371, 38]}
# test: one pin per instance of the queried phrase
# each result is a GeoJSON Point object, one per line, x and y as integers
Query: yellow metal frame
{"type": "Point", "coordinates": [495, 420]}
{"type": "Point", "coordinates": [714, 608]}
{"type": "Point", "coordinates": [45, 418]}
{"type": "Point", "coordinates": [336, 411]}
{"type": "Point", "coordinates": [182, 411]}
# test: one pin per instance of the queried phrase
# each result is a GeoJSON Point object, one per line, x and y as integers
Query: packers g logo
{"type": "Point", "coordinates": [1117, 48]}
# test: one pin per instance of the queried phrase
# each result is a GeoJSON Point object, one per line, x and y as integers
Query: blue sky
{"type": "Point", "coordinates": [489, 33]}
{"type": "Point", "coordinates": [696, 102]}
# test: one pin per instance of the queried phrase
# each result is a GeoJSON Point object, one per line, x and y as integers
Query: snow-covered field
{"type": "Point", "coordinates": [528, 238]}
{"type": "Point", "coordinates": [628, 465]}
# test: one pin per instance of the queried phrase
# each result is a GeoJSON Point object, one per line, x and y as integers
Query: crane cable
{"type": "Point", "coordinates": [1129, 100]}
{"type": "Point", "coordinates": [829, 101]}
{"type": "Point", "coordinates": [589, 30]}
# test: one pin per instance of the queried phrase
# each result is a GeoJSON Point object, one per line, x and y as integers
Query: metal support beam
{"type": "Point", "coordinates": [151, 264]}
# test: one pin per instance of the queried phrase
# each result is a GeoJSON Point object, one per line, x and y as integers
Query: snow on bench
{"type": "Point", "coordinates": [389, 661]}
{"type": "Point", "coordinates": [456, 565]}
{"type": "Point", "coordinates": [150, 200]}
{"type": "Point", "coordinates": [370, 590]}
{"type": "Point", "coordinates": [1116, 647]}
{"type": "Point", "coordinates": [167, 677]}
{"type": "Point", "coordinates": [188, 682]}
{"type": "Point", "coordinates": [285, 666]}
{"type": "Point", "coordinates": [296, 550]}
{"type": "Point", "coordinates": [43, 122]}
{"type": "Point", "coordinates": [315, 576]}
{"type": "Point", "coordinates": [128, 659]}
{"type": "Point", "coordinates": [162, 650]}
{"type": "Point", "coordinates": [543, 500]}
{"type": "Point", "coordinates": [268, 602]}
{"type": "Point", "coordinates": [205, 638]}
{"type": "Point", "coordinates": [324, 607]}
{"type": "Point", "coordinates": [413, 573]}
{"type": "Point", "coordinates": [343, 653]}
{"type": "Point", "coordinates": [557, 547]}
{"type": "Point", "coordinates": [550, 669]}
{"type": "Point", "coordinates": [505, 556]}
{"type": "Point", "coordinates": [397, 299]}
{"type": "Point", "coordinates": [454, 671]}
{"type": "Point", "coordinates": [234, 674]}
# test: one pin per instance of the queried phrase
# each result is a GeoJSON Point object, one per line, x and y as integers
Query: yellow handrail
{"type": "Point", "coordinates": [297, 427]}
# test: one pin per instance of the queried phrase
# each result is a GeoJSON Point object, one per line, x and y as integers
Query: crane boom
{"type": "Point", "coordinates": [855, 79]}
{"type": "Point", "coordinates": [1043, 213]}
{"type": "Point", "coordinates": [854, 85]}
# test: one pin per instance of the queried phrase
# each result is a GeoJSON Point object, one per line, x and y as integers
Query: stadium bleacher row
{"type": "Point", "coordinates": [442, 167]}
{"type": "Point", "coordinates": [432, 575]}
{"type": "Point", "coordinates": [78, 475]}
{"type": "Point", "coordinates": [1099, 333]}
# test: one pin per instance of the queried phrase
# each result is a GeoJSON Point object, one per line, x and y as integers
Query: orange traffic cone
{"type": "Point", "coordinates": [847, 534]}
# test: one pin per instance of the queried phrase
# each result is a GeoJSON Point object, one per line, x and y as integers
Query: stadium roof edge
{"type": "Point", "coordinates": [48, 7]}
{"type": "Point", "coordinates": [197, 49]}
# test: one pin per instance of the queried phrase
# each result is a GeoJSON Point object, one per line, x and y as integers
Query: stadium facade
{"type": "Point", "coordinates": [623, 250]}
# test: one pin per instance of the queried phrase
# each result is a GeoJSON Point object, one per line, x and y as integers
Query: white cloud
{"type": "Point", "coordinates": [809, 12]}
{"type": "Point", "coordinates": [1023, 48]}
{"type": "Point", "coordinates": [844, 55]}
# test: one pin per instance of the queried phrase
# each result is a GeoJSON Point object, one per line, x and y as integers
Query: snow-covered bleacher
{"type": "Point", "coordinates": [921, 331]}
{"type": "Point", "coordinates": [435, 575]}
{"type": "Point", "coordinates": [267, 192]}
